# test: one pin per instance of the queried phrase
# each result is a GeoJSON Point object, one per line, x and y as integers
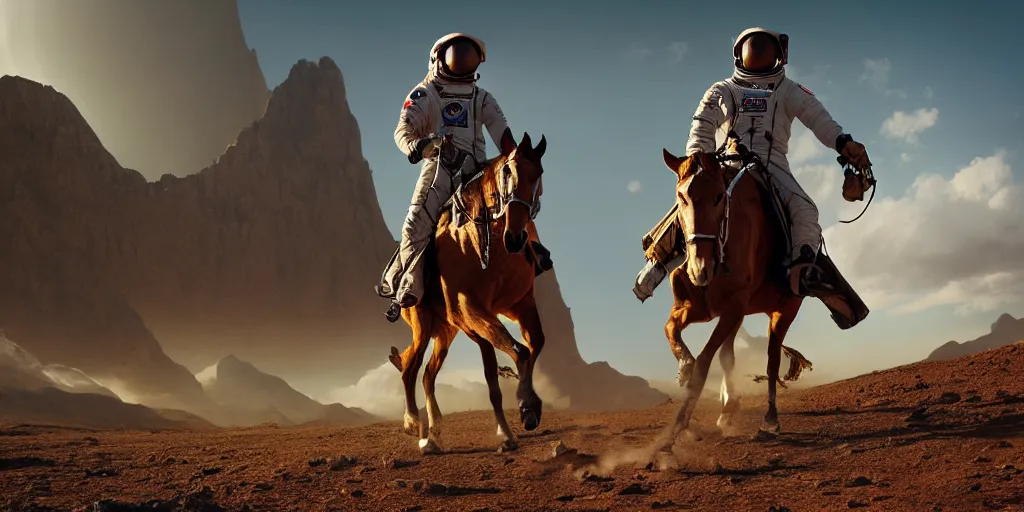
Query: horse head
{"type": "Point", "coordinates": [519, 186]}
{"type": "Point", "coordinates": [700, 197]}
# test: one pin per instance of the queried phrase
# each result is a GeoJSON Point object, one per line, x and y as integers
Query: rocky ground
{"type": "Point", "coordinates": [931, 436]}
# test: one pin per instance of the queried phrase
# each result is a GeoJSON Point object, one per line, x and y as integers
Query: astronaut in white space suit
{"type": "Point", "coordinates": [446, 102]}
{"type": "Point", "coordinates": [758, 103]}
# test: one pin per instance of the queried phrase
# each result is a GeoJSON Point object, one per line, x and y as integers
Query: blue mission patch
{"type": "Point", "coordinates": [455, 114]}
{"type": "Point", "coordinates": [754, 101]}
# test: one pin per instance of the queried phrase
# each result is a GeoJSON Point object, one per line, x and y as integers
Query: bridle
{"type": "Point", "coordinates": [722, 238]}
{"type": "Point", "coordinates": [492, 213]}
{"type": "Point", "coordinates": [507, 194]}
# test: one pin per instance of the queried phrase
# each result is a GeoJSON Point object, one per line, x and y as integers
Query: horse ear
{"type": "Point", "coordinates": [508, 142]}
{"type": "Point", "coordinates": [708, 162]}
{"type": "Point", "coordinates": [526, 142]}
{"type": "Point", "coordinates": [541, 147]}
{"type": "Point", "coordinates": [673, 162]}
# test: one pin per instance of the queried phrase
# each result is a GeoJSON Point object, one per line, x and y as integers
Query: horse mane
{"type": "Point", "coordinates": [475, 193]}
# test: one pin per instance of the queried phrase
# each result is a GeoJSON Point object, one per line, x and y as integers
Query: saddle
{"type": "Point", "coordinates": [665, 242]}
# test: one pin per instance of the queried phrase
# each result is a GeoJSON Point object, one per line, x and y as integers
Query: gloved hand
{"type": "Point", "coordinates": [855, 184]}
{"type": "Point", "coordinates": [856, 154]}
{"type": "Point", "coordinates": [425, 148]}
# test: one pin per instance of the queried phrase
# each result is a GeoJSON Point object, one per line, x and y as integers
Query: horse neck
{"type": "Point", "coordinates": [475, 194]}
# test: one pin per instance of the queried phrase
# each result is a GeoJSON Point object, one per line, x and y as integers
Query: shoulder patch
{"type": "Point", "coordinates": [808, 91]}
{"type": "Point", "coordinates": [413, 96]}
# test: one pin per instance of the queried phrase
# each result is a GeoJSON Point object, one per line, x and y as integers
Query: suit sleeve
{"type": "Point", "coordinates": [414, 122]}
{"type": "Point", "coordinates": [806, 107]}
{"type": "Point", "coordinates": [711, 114]}
{"type": "Point", "coordinates": [493, 118]}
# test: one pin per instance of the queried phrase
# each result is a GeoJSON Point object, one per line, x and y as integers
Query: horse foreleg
{"type": "Point", "coordinates": [729, 398]}
{"type": "Point", "coordinates": [679, 319]}
{"type": "Point", "coordinates": [530, 405]}
{"type": "Point", "coordinates": [728, 325]}
{"type": "Point", "coordinates": [486, 325]}
{"type": "Point", "coordinates": [490, 361]}
{"type": "Point", "coordinates": [442, 342]}
{"type": "Point", "coordinates": [421, 323]}
{"type": "Point", "coordinates": [779, 325]}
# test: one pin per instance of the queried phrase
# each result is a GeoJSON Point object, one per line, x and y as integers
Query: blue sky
{"type": "Point", "coordinates": [610, 86]}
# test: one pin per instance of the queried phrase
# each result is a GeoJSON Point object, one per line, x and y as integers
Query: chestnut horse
{"type": "Point", "coordinates": [464, 295]}
{"type": "Point", "coordinates": [733, 250]}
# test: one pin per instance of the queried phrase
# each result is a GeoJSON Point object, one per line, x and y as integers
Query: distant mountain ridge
{"type": "Point", "coordinates": [1006, 330]}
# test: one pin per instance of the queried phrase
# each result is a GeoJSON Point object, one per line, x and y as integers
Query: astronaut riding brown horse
{"type": "Point", "coordinates": [731, 242]}
{"type": "Point", "coordinates": [461, 294]}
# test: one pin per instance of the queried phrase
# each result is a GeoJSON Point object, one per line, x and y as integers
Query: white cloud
{"type": "Point", "coordinates": [819, 180]}
{"type": "Point", "coordinates": [804, 146]}
{"type": "Point", "coordinates": [876, 73]}
{"type": "Point", "coordinates": [815, 76]}
{"type": "Point", "coordinates": [634, 187]}
{"type": "Point", "coordinates": [946, 242]}
{"type": "Point", "coordinates": [673, 52]}
{"type": "Point", "coordinates": [907, 125]}
{"type": "Point", "coordinates": [677, 50]}
{"type": "Point", "coordinates": [637, 50]}
{"type": "Point", "coordinates": [905, 157]}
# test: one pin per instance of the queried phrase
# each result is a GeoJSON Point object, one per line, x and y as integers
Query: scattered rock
{"type": "Point", "coordinates": [212, 471]}
{"type": "Point", "coordinates": [663, 504]}
{"type": "Point", "coordinates": [25, 462]}
{"type": "Point", "coordinates": [102, 472]}
{"type": "Point", "coordinates": [559, 448]}
{"type": "Point", "coordinates": [881, 498]}
{"type": "Point", "coordinates": [830, 493]}
{"type": "Point", "coordinates": [975, 487]}
{"type": "Point", "coordinates": [982, 459]}
{"type": "Point", "coordinates": [358, 493]}
{"type": "Point", "coordinates": [343, 462]}
{"type": "Point", "coordinates": [262, 486]}
{"type": "Point", "coordinates": [948, 398]}
{"type": "Point", "coordinates": [317, 462]}
{"type": "Point", "coordinates": [634, 489]}
{"type": "Point", "coordinates": [972, 399]}
{"type": "Point", "coordinates": [567, 498]}
{"type": "Point", "coordinates": [859, 481]}
{"type": "Point", "coordinates": [438, 489]}
{"type": "Point", "coordinates": [856, 504]}
{"type": "Point", "coordinates": [390, 463]}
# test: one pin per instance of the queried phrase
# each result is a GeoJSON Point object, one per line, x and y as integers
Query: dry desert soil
{"type": "Point", "coordinates": [929, 436]}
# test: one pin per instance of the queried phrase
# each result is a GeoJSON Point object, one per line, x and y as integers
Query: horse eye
{"type": "Point", "coordinates": [718, 199]}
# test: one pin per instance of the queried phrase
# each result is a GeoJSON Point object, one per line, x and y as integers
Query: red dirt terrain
{"type": "Point", "coordinates": [929, 436]}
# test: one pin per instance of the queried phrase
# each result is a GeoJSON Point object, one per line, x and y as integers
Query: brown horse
{"type": "Point", "coordinates": [461, 295]}
{"type": "Point", "coordinates": [732, 270]}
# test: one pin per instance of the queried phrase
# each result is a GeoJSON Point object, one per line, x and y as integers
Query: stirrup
{"type": "Point", "coordinates": [393, 313]}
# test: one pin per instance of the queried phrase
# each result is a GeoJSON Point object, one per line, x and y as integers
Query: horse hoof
{"type": "Point", "coordinates": [429, 447]}
{"type": "Point", "coordinates": [411, 426]}
{"type": "Point", "coordinates": [767, 432]}
{"type": "Point", "coordinates": [508, 445]}
{"type": "Point", "coordinates": [530, 421]}
{"type": "Point", "coordinates": [724, 421]}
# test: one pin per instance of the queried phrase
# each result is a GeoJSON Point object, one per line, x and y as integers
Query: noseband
{"type": "Point", "coordinates": [507, 196]}
{"type": "Point", "coordinates": [723, 227]}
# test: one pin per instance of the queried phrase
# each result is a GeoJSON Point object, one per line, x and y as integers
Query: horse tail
{"type": "Point", "coordinates": [797, 364]}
